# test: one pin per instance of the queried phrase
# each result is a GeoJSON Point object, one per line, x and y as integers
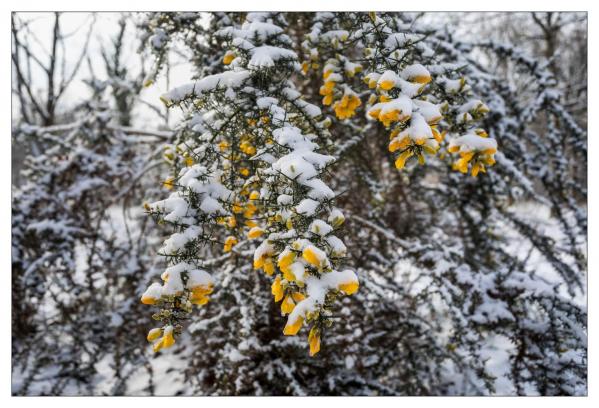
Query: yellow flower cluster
{"type": "Point", "coordinates": [164, 336]}
{"type": "Point", "coordinates": [327, 90]}
{"type": "Point", "coordinates": [265, 262]}
{"type": "Point", "coordinates": [199, 294]}
{"type": "Point", "coordinates": [293, 327]}
{"type": "Point", "coordinates": [478, 158]}
{"type": "Point", "coordinates": [289, 296]}
{"type": "Point", "coordinates": [313, 257]}
{"type": "Point", "coordinates": [255, 232]}
{"type": "Point", "coordinates": [230, 242]}
{"type": "Point", "coordinates": [346, 107]}
{"type": "Point", "coordinates": [295, 263]}
{"type": "Point", "coordinates": [247, 211]}
{"type": "Point", "coordinates": [246, 147]}
{"type": "Point", "coordinates": [284, 264]}
{"type": "Point", "coordinates": [388, 117]}
{"type": "Point", "coordinates": [181, 290]}
{"type": "Point", "coordinates": [312, 63]}
{"type": "Point", "coordinates": [244, 208]}
{"type": "Point", "coordinates": [414, 146]}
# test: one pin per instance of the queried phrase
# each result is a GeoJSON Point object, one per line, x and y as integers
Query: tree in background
{"type": "Point", "coordinates": [79, 245]}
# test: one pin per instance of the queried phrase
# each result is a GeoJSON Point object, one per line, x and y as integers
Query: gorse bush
{"type": "Point", "coordinates": [348, 198]}
{"type": "Point", "coordinates": [252, 166]}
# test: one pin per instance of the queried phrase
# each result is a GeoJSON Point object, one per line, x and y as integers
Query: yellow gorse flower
{"type": "Point", "coordinates": [157, 346]}
{"type": "Point", "coordinates": [169, 183]}
{"type": "Point", "coordinates": [286, 260]}
{"type": "Point", "coordinates": [298, 296]}
{"type": "Point", "coordinates": [387, 85]}
{"type": "Point", "coordinates": [229, 57]}
{"type": "Point", "coordinates": [346, 107]}
{"type": "Point", "coordinates": [255, 232]}
{"type": "Point", "coordinates": [231, 222]}
{"type": "Point", "coordinates": [305, 67]}
{"type": "Point", "coordinates": [401, 160]}
{"type": "Point", "coordinates": [327, 91]}
{"type": "Point", "coordinates": [277, 289]}
{"type": "Point", "coordinates": [199, 294]}
{"type": "Point", "coordinates": [287, 305]}
{"type": "Point", "coordinates": [223, 145]}
{"type": "Point", "coordinates": [148, 300]}
{"type": "Point", "coordinates": [292, 329]}
{"type": "Point", "coordinates": [168, 340]}
{"type": "Point", "coordinates": [154, 334]}
{"type": "Point", "coordinates": [479, 158]}
{"type": "Point", "coordinates": [314, 341]}
{"type": "Point", "coordinates": [269, 266]}
{"type": "Point", "coordinates": [229, 243]}
{"type": "Point", "coordinates": [350, 287]}
{"type": "Point", "coordinates": [309, 255]}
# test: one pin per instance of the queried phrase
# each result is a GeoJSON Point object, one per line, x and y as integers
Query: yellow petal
{"type": "Point", "coordinates": [223, 146]}
{"type": "Point", "coordinates": [287, 305]}
{"type": "Point", "coordinates": [305, 67]}
{"type": "Point", "coordinates": [199, 300]}
{"type": "Point", "coordinates": [386, 85]}
{"type": "Point", "coordinates": [292, 329]}
{"type": "Point", "coordinates": [467, 156]}
{"type": "Point", "coordinates": [401, 160]}
{"type": "Point", "coordinates": [310, 255]}
{"type": "Point", "coordinates": [168, 340]}
{"type": "Point", "coordinates": [298, 297]}
{"type": "Point", "coordinates": [421, 79]}
{"type": "Point", "coordinates": [147, 300]}
{"type": "Point", "coordinates": [349, 288]}
{"type": "Point", "coordinates": [232, 222]}
{"type": "Point", "coordinates": [461, 165]}
{"type": "Point", "coordinates": [288, 274]}
{"type": "Point", "coordinates": [488, 160]}
{"type": "Point", "coordinates": [269, 266]}
{"type": "Point", "coordinates": [169, 183]}
{"type": "Point", "coordinates": [228, 58]}
{"type": "Point", "coordinates": [259, 263]}
{"type": "Point", "coordinates": [255, 232]}
{"type": "Point", "coordinates": [314, 340]}
{"type": "Point", "coordinates": [277, 289]}
{"type": "Point", "coordinates": [157, 346]}
{"type": "Point", "coordinates": [394, 145]}
{"type": "Point", "coordinates": [287, 259]}
{"type": "Point", "coordinates": [154, 334]}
